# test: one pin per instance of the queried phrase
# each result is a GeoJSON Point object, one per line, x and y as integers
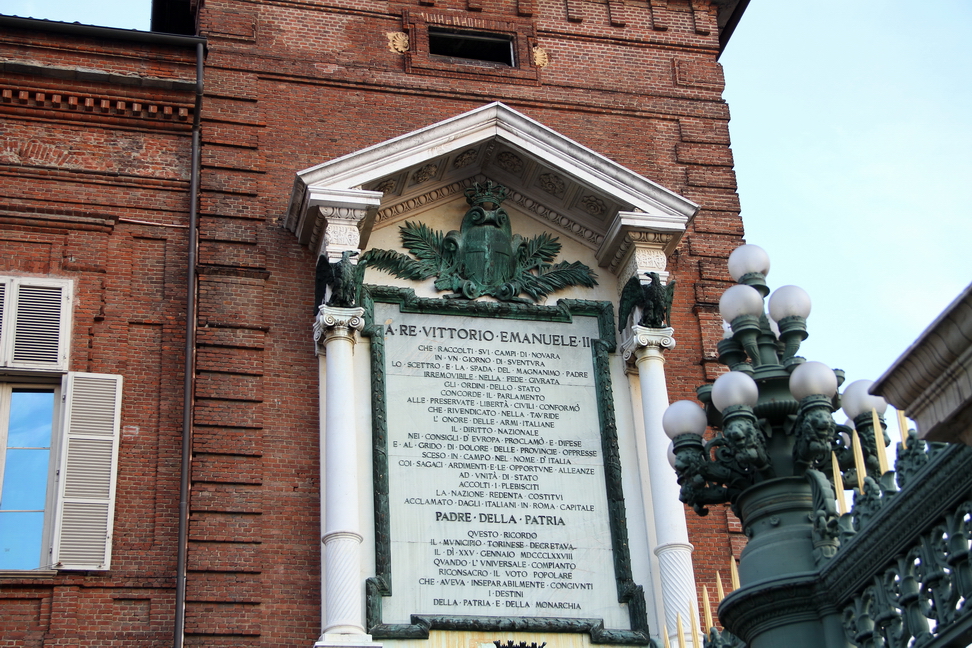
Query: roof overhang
{"type": "Point", "coordinates": [932, 380]}
{"type": "Point", "coordinates": [728, 16]}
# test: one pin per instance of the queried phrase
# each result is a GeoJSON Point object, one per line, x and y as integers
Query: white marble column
{"type": "Point", "coordinates": [334, 332]}
{"type": "Point", "coordinates": [674, 552]}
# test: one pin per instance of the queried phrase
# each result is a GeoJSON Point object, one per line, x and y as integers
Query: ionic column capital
{"type": "Point", "coordinates": [336, 324]}
{"type": "Point", "coordinates": [646, 343]}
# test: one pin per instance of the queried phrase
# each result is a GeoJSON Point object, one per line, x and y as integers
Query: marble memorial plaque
{"type": "Point", "coordinates": [497, 502]}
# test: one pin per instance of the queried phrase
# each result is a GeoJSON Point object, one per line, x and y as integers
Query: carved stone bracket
{"type": "Point", "coordinates": [647, 340]}
{"type": "Point", "coordinates": [642, 259]}
{"type": "Point", "coordinates": [334, 322]}
{"type": "Point", "coordinates": [342, 215]}
{"type": "Point", "coordinates": [637, 243]}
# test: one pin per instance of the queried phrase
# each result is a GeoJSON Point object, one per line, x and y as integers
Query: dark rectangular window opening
{"type": "Point", "coordinates": [476, 46]}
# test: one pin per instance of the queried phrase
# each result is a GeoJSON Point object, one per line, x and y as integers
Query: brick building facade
{"type": "Point", "coordinates": [97, 159]}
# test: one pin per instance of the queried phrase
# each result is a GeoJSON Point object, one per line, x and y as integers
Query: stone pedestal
{"type": "Point", "coordinates": [331, 640]}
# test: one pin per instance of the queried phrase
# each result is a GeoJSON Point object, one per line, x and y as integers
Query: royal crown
{"type": "Point", "coordinates": [488, 194]}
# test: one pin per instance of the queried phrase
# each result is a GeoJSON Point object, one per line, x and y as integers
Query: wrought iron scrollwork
{"type": "Point", "coordinates": [910, 458]}
{"type": "Point", "coordinates": [928, 585]}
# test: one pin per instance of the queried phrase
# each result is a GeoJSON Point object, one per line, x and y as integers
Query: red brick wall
{"type": "Point", "coordinates": [81, 157]}
{"type": "Point", "coordinates": [288, 86]}
{"type": "Point", "coordinates": [291, 86]}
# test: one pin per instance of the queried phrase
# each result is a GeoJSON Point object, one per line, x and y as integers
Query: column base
{"type": "Point", "coordinates": [336, 640]}
{"type": "Point", "coordinates": [678, 585]}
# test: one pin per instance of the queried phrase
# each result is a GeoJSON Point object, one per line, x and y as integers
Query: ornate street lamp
{"type": "Point", "coordinates": [771, 457]}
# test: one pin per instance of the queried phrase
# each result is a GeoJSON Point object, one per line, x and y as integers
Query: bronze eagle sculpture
{"type": "Point", "coordinates": [654, 300]}
{"type": "Point", "coordinates": [343, 277]}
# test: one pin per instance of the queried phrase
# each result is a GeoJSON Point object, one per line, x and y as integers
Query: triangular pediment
{"type": "Point", "coordinates": [572, 189]}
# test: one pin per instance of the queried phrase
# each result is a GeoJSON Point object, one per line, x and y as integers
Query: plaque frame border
{"type": "Point", "coordinates": [380, 585]}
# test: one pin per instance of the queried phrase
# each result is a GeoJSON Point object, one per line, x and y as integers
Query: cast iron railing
{"type": "Point", "coordinates": [899, 564]}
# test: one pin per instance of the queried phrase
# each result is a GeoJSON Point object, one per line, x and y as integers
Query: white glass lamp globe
{"type": "Point", "coordinates": [811, 378]}
{"type": "Point", "coordinates": [671, 454]}
{"type": "Point", "coordinates": [740, 300]}
{"type": "Point", "coordinates": [734, 388]}
{"type": "Point", "coordinates": [747, 259]}
{"type": "Point", "coordinates": [789, 301]}
{"type": "Point", "coordinates": [856, 401]}
{"type": "Point", "coordinates": [683, 417]}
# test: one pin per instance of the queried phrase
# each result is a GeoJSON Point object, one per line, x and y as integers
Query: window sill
{"type": "Point", "coordinates": [33, 573]}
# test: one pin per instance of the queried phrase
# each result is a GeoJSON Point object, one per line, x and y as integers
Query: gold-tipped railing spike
{"type": "Point", "coordinates": [903, 429]}
{"type": "Point", "coordinates": [719, 590]}
{"type": "Point", "coordinates": [681, 632]}
{"type": "Point", "coordinates": [706, 609]}
{"type": "Point", "coordinates": [733, 573]}
{"type": "Point", "coordinates": [882, 455]}
{"type": "Point", "coordinates": [695, 631]}
{"type": "Point", "coordinates": [858, 461]}
{"type": "Point", "coordinates": [838, 484]}
{"type": "Point", "coordinates": [666, 642]}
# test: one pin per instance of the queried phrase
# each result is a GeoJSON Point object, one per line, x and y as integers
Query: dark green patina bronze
{"type": "Point", "coordinates": [654, 300]}
{"type": "Point", "coordinates": [629, 593]}
{"type": "Point", "coordinates": [894, 572]}
{"type": "Point", "coordinates": [484, 257]}
{"type": "Point", "coordinates": [342, 277]}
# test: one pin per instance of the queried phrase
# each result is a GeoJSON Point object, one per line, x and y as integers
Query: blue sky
{"type": "Point", "coordinates": [850, 127]}
{"type": "Point", "coordinates": [127, 14]}
{"type": "Point", "coordinates": [851, 136]}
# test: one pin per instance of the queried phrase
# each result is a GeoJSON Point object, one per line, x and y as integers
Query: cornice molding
{"type": "Point", "coordinates": [91, 104]}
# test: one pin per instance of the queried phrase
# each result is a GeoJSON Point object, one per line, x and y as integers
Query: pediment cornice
{"type": "Point", "coordinates": [569, 187]}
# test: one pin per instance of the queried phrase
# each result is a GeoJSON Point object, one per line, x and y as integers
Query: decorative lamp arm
{"type": "Point", "coordinates": [746, 330]}
{"type": "Point", "coordinates": [793, 331]}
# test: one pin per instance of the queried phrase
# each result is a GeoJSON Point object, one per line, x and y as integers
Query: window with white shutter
{"type": "Point", "coordinates": [4, 288]}
{"type": "Point", "coordinates": [59, 435]}
{"type": "Point", "coordinates": [36, 323]}
{"type": "Point", "coordinates": [88, 466]}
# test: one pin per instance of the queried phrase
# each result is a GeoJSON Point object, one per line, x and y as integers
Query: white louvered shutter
{"type": "Point", "coordinates": [38, 324]}
{"type": "Point", "coordinates": [87, 470]}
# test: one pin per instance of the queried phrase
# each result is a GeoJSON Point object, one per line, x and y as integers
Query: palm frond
{"type": "Point", "coordinates": [398, 264]}
{"type": "Point", "coordinates": [557, 277]}
{"type": "Point", "coordinates": [422, 241]}
{"type": "Point", "coordinates": [543, 247]}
